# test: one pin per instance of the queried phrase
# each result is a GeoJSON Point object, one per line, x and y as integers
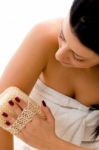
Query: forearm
{"type": "Point", "coordinates": [6, 140]}
{"type": "Point", "coordinates": [63, 145]}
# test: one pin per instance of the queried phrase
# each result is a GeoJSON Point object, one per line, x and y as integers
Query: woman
{"type": "Point", "coordinates": [58, 62]}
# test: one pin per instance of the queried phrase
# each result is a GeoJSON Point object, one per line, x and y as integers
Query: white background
{"type": "Point", "coordinates": [17, 17]}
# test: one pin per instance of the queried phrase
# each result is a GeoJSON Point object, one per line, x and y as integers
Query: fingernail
{"type": "Point", "coordinates": [4, 114]}
{"type": "Point", "coordinates": [11, 102]}
{"type": "Point", "coordinates": [44, 104]}
{"type": "Point", "coordinates": [7, 123]}
{"type": "Point", "coordinates": [17, 99]}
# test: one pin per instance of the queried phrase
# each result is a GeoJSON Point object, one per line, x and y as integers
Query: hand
{"type": "Point", "coordinates": [38, 133]}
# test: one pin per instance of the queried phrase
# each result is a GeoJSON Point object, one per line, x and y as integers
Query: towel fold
{"type": "Point", "coordinates": [73, 120]}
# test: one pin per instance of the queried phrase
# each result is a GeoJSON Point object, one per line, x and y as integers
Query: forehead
{"type": "Point", "coordinates": [74, 43]}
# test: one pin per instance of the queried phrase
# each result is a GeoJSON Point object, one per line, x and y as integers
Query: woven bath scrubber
{"type": "Point", "coordinates": [31, 109]}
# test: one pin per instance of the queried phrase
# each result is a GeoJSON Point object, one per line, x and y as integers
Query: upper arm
{"type": "Point", "coordinates": [29, 60]}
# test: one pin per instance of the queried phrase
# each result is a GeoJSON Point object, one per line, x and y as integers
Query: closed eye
{"type": "Point", "coordinates": [75, 56]}
{"type": "Point", "coordinates": [78, 59]}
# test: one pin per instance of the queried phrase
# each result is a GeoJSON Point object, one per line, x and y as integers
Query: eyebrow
{"type": "Point", "coordinates": [62, 34]}
{"type": "Point", "coordinates": [71, 50]}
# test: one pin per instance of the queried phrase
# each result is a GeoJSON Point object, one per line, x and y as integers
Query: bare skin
{"type": "Point", "coordinates": [71, 81]}
{"type": "Point", "coordinates": [45, 60]}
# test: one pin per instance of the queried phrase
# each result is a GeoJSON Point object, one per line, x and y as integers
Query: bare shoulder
{"type": "Point", "coordinates": [48, 30]}
{"type": "Point", "coordinates": [31, 57]}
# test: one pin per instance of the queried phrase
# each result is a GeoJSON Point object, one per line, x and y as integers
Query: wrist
{"type": "Point", "coordinates": [58, 144]}
{"type": "Point", "coordinates": [54, 143]}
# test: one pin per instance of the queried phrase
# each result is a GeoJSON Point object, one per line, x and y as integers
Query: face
{"type": "Point", "coordinates": [71, 52]}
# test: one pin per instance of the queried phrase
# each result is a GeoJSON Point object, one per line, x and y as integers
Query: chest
{"type": "Point", "coordinates": [80, 86]}
{"type": "Point", "coordinates": [86, 89]}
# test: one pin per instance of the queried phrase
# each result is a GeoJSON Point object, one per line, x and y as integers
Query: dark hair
{"type": "Point", "coordinates": [84, 22]}
{"type": "Point", "coordinates": [96, 131]}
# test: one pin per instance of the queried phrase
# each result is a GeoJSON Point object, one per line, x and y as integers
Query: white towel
{"type": "Point", "coordinates": [73, 120]}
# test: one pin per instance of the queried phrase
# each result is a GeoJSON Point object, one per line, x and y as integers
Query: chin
{"type": "Point", "coordinates": [73, 66]}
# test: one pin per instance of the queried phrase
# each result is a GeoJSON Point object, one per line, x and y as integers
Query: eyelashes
{"type": "Point", "coordinates": [80, 60]}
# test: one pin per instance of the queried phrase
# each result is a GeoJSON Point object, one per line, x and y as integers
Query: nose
{"type": "Point", "coordinates": [63, 54]}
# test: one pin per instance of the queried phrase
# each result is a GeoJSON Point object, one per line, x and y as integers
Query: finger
{"type": "Point", "coordinates": [47, 112]}
{"type": "Point", "coordinates": [15, 107]}
{"type": "Point", "coordinates": [9, 120]}
{"type": "Point", "coordinates": [21, 103]}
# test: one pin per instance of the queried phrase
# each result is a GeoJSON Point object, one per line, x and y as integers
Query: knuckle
{"type": "Point", "coordinates": [36, 120]}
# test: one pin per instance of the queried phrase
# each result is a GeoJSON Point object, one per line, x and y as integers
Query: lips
{"type": "Point", "coordinates": [65, 63]}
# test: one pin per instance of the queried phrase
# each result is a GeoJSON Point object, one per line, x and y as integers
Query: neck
{"type": "Point", "coordinates": [92, 69]}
